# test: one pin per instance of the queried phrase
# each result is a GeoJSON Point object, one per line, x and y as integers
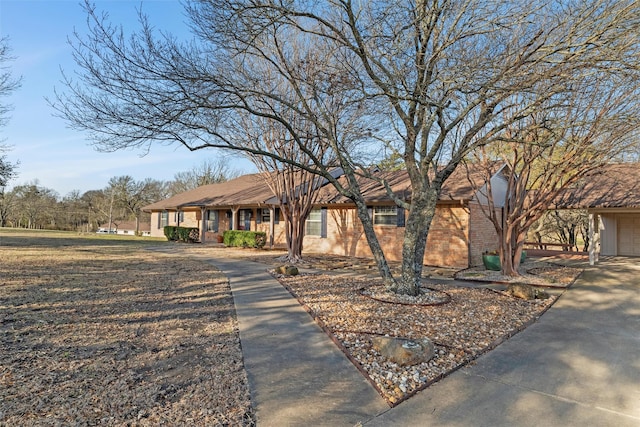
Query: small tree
{"type": "Point", "coordinates": [546, 153]}
{"type": "Point", "coordinates": [132, 195]}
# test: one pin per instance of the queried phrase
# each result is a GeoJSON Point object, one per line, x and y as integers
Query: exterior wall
{"type": "Point", "coordinates": [446, 243]}
{"type": "Point", "coordinates": [608, 234]}
{"type": "Point", "coordinates": [191, 219]}
{"type": "Point", "coordinates": [482, 234]}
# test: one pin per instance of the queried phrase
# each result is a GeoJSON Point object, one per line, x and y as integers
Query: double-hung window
{"type": "Point", "coordinates": [314, 223]}
{"type": "Point", "coordinates": [385, 215]}
{"type": "Point", "coordinates": [163, 219]}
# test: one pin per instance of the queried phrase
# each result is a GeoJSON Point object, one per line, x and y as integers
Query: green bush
{"type": "Point", "coordinates": [183, 234]}
{"type": "Point", "coordinates": [245, 239]}
{"type": "Point", "coordinates": [170, 233]}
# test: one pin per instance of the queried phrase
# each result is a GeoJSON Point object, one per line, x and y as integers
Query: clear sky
{"type": "Point", "coordinates": [58, 157]}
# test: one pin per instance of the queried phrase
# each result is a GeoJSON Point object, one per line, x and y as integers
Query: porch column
{"type": "Point", "coordinates": [272, 225]}
{"type": "Point", "coordinates": [203, 224]}
{"type": "Point", "coordinates": [234, 218]}
{"type": "Point", "coordinates": [592, 240]}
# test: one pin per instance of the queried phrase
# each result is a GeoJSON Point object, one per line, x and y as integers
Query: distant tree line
{"type": "Point", "coordinates": [33, 205]}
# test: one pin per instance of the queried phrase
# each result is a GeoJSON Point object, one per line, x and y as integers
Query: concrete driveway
{"type": "Point", "coordinates": [579, 365]}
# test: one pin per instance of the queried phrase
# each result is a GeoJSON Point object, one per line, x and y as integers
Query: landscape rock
{"type": "Point", "coordinates": [528, 292]}
{"type": "Point", "coordinates": [287, 270]}
{"type": "Point", "coordinates": [403, 351]}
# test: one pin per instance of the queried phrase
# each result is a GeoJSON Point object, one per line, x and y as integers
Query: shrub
{"type": "Point", "coordinates": [170, 233]}
{"type": "Point", "coordinates": [245, 239]}
{"type": "Point", "coordinates": [183, 234]}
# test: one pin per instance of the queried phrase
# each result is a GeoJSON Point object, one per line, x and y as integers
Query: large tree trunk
{"type": "Point", "coordinates": [421, 213]}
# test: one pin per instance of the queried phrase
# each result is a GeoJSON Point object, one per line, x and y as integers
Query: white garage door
{"type": "Point", "coordinates": [629, 235]}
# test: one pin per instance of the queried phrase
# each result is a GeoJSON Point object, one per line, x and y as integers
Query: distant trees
{"type": "Point", "coordinates": [209, 171]}
{"type": "Point", "coordinates": [32, 205]}
{"type": "Point", "coordinates": [131, 195]}
{"type": "Point", "coordinates": [433, 80]}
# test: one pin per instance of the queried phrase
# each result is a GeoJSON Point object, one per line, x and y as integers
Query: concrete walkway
{"type": "Point", "coordinates": [297, 375]}
{"type": "Point", "coordinates": [578, 366]}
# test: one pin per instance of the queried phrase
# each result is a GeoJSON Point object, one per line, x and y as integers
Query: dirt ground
{"type": "Point", "coordinates": [100, 331]}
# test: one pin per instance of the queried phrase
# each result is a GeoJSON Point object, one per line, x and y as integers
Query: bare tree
{"type": "Point", "coordinates": [549, 151]}
{"type": "Point", "coordinates": [207, 172]}
{"type": "Point", "coordinates": [295, 188]}
{"type": "Point", "coordinates": [35, 205]}
{"type": "Point", "coordinates": [8, 84]}
{"type": "Point", "coordinates": [131, 195]}
{"type": "Point", "coordinates": [7, 204]}
{"type": "Point", "coordinates": [443, 77]}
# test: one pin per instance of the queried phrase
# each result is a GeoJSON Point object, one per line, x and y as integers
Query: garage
{"type": "Point", "coordinates": [611, 196]}
{"type": "Point", "coordinates": [628, 234]}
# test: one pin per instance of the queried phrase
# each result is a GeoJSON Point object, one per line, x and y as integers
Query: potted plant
{"type": "Point", "coordinates": [491, 260]}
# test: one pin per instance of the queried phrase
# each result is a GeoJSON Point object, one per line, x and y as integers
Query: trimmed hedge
{"type": "Point", "coordinates": [245, 239]}
{"type": "Point", "coordinates": [182, 234]}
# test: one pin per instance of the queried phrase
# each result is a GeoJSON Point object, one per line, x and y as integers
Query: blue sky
{"type": "Point", "coordinates": [61, 158]}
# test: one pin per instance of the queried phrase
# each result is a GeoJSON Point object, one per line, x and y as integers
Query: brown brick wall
{"type": "Point", "coordinates": [482, 236]}
{"type": "Point", "coordinates": [446, 243]}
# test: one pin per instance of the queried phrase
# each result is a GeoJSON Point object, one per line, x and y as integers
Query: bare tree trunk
{"type": "Point", "coordinates": [414, 244]}
{"type": "Point", "coordinates": [374, 245]}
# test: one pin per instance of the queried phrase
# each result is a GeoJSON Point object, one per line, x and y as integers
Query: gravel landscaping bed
{"type": "Point", "coordinates": [471, 323]}
{"type": "Point", "coordinates": [106, 333]}
{"type": "Point", "coordinates": [463, 322]}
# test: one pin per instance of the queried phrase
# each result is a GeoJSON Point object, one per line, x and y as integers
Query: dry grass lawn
{"type": "Point", "coordinates": [101, 330]}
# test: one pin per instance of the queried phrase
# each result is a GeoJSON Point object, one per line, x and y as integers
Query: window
{"type": "Point", "coordinates": [244, 222]}
{"type": "Point", "coordinates": [385, 215]}
{"type": "Point", "coordinates": [179, 217]}
{"type": "Point", "coordinates": [266, 216]}
{"type": "Point", "coordinates": [163, 219]}
{"type": "Point", "coordinates": [212, 221]}
{"type": "Point", "coordinates": [314, 223]}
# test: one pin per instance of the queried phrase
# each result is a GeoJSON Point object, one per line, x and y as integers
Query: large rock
{"type": "Point", "coordinates": [404, 352]}
{"type": "Point", "coordinates": [528, 292]}
{"type": "Point", "coordinates": [287, 270]}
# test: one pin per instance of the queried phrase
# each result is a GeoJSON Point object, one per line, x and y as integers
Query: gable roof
{"type": "Point", "coordinates": [253, 190]}
{"type": "Point", "coordinates": [615, 185]}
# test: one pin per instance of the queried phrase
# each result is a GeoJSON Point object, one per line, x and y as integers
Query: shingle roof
{"type": "Point", "coordinates": [247, 189]}
{"type": "Point", "coordinates": [612, 186]}
{"type": "Point", "coordinates": [456, 187]}
{"type": "Point", "coordinates": [253, 190]}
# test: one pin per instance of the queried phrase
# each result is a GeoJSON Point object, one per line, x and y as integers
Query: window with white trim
{"type": "Point", "coordinates": [314, 223]}
{"type": "Point", "coordinates": [385, 215]}
{"type": "Point", "coordinates": [212, 220]}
